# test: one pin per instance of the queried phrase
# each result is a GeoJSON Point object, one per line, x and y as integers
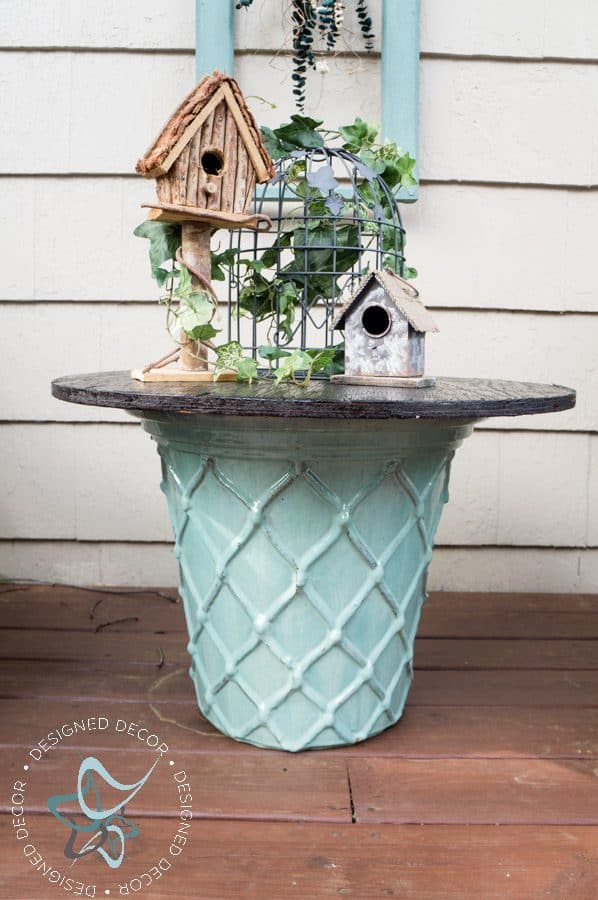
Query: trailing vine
{"type": "Point", "coordinates": [304, 22]}
{"type": "Point", "coordinates": [275, 295]}
{"type": "Point", "coordinates": [326, 17]}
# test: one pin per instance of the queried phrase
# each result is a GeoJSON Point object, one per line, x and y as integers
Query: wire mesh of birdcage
{"type": "Point", "coordinates": [333, 221]}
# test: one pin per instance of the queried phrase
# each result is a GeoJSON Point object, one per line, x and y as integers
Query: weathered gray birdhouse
{"type": "Point", "coordinates": [385, 325]}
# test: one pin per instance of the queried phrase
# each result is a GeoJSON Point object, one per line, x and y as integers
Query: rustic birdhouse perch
{"type": "Point", "coordinates": [208, 158]}
{"type": "Point", "coordinates": [385, 325]}
{"type": "Point", "coordinates": [206, 161]}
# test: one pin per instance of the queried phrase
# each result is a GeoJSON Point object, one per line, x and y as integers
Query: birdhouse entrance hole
{"type": "Point", "coordinates": [212, 162]}
{"type": "Point", "coordinates": [375, 321]}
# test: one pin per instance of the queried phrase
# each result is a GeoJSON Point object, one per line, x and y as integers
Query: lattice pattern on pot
{"type": "Point", "coordinates": [277, 674]}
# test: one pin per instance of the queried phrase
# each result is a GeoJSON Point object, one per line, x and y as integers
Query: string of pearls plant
{"type": "Point", "coordinates": [308, 19]}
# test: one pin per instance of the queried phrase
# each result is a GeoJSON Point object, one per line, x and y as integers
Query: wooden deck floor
{"type": "Point", "coordinates": [488, 787]}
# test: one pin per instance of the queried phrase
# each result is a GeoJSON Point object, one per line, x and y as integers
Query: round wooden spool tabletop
{"type": "Point", "coordinates": [450, 398]}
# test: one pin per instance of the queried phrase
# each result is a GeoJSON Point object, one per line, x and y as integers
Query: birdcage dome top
{"type": "Point", "coordinates": [334, 219]}
{"type": "Point", "coordinates": [344, 182]}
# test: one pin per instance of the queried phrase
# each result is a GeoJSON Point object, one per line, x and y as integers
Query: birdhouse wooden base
{"type": "Point", "coordinates": [173, 212]}
{"type": "Point", "coordinates": [424, 381]}
{"type": "Point", "coordinates": [177, 374]}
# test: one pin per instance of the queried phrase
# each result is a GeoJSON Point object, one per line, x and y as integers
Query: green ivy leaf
{"type": "Point", "coordinates": [317, 255]}
{"type": "Point", "coordinates": [256, 265]}
{"type": "Point", "coordinates": [164, 238]}
{"type": "Point", "coordinates": [373, 161]}
{"type": "Point", "coordinates": [406, 165]}
{"type": "Point", "coordinates": [162, 275]}
{"type": "Point", "coordinates": [321, 359]}
{"type": "Point", "coordinates": [358, 136]}
{"type": "Point", "coordinates": [283, 242]}
{"type": "Point", "coordinates": [272, 143]}
{"type": "Point", "coordinates": [194, 313]}
{"type": "Point", "coordinates": [300, 133]}
{"type": "Point", "coordinates": [297, 361]}
{"type": "Point", "coordinates": [231, 357]}
{"type": "Point", "coordinates": [338, 363]}
{"type": "Point", "coordinates": [269, 352]}
{"type": "Point", "coordinates": [246, 369]}
{"type": "Point", "coordinates": [228, 354]}
{"type": "Point", "coordinates": [226, 259]}
{"type": "Point", "coordinates": [203, 332]}
{"type": "Point", "coordinates": [287, 296]}
{"type": "Point", "coordinates": [184, 288]}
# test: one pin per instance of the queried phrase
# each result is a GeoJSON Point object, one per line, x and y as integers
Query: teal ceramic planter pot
{"type": "Point", "coordinates": [303, 549]}
{"type": "Point", "coordinates": [304, 519]}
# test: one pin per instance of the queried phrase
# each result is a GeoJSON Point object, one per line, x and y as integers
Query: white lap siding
{"type": "Point", "coordinates": [503, 237]}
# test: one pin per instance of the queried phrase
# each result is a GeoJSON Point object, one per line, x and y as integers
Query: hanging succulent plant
{"type": "Point", "coordinates": [325, 17]}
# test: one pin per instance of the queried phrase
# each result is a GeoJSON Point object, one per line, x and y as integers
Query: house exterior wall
{"type": "Point", "coordinates": [503, 236]}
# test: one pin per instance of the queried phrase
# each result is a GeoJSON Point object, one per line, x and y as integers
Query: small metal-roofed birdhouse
{"type": "Point", "coordinates": [385, 325]}
{"type": "Point", "coordinates": [208, 158]}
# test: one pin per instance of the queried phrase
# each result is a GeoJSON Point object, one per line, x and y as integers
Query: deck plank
{"type": "Point", "coordinates": [500, 615]}
{"type": "Point", "coordinates": [482, 792]}
{"type": "Point", "coordinates": [76, 680]}
{"type": "Point", "coordinates": [280, 786]}
{"type": "Point", "coordinates": [495, 687]}
{"type": "Point", "coordinates": [446, 614]}
{"type": "Point", "coordinates": [230, 860]}
{"type": "Point", "coordinates": [67, 608]}
{"type": "Point", "coordinates": [154, 651]}
{"type": "Point", "coordinates": [521, 654]}
{"type": "Point", "coordinates": [424, 732]}
{"type": "Point", "coordinates": [149, 649]}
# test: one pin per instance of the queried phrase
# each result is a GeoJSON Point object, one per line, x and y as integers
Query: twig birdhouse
{"type": "Point", "coordinates": [208, 158]}
{"type": "Point", "coordinates": [385, 325]}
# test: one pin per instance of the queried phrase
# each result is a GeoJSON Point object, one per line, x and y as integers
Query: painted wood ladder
{"type": "Point", "coordinates": [399, 70]}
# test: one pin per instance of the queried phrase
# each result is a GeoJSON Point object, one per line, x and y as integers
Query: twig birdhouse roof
{"type": "Point", "coordinates": [401, 293]}
{"type": "Point", "coordinates": [190, 115]}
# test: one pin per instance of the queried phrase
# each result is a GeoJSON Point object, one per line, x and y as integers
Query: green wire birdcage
{"type": "Point", "coordinates": [333, 221]}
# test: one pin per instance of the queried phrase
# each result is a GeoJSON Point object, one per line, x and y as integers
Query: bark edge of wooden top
{"type": "Point", "coordinates": [449, 398]}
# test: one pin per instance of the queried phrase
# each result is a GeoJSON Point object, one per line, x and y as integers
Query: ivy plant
{"type": "Point", "coordinates": [232, 356]}
{"type": "Point", "coordinates": [331, 243]}
{"type": "Point", "coordinates": [190, 310]}
{"type": "Point", "coordinates": [324, 249]}
{"type": "Point", "coordinates": [299, 365]}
